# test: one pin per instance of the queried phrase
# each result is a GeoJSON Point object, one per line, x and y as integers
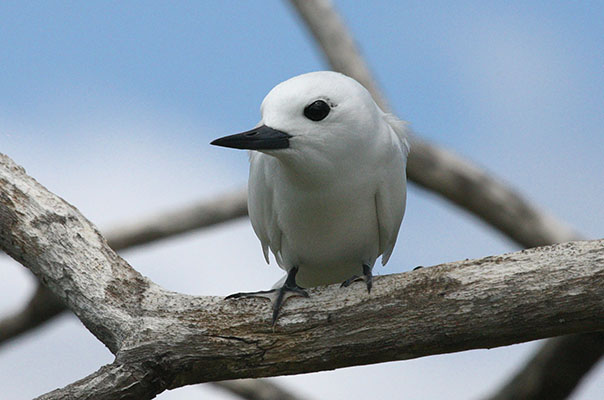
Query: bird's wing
{"type": "Point", "coordinates": [260, 205]}
{"type": "Point", "coordinates": [392, 191]}
{"type": "Point", "coordinates": [390, 206]}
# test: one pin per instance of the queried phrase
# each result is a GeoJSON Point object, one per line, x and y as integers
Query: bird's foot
{"type": "Point", "coordinates": [277, 297]}
{"type": "Point", "coordinates": [367, 277]}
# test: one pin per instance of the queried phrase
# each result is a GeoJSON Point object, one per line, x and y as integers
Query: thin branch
{"type": "Point", "coordinates": [256, 389]}
{"type": "Point", "coordinates": [550, 377]}
{"type": "Point", "coordinates": [42, 307]}
{"type": "Point", "coordinates": [201, 215]}
{"type": "Point", "coordinates": [166, 340]}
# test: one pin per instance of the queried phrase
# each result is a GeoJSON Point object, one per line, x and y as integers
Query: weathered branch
{"type": "Point", "coordinates": [43, 232]}
{"type": "Point", "coordinates": [44, 305]}
{"type": "Point", "coordinates": [464, 184]}
{"type": "Point", "coordinates": [167, 340]}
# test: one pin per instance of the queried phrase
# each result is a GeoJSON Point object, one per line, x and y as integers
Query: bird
{"type": "Point", "coordinates": [327, 183]}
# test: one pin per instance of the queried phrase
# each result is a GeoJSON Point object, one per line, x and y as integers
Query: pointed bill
{"type": "Point", "coordinates": [260, 138]}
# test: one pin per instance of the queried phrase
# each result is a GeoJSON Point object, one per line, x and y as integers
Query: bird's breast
{"type": "Point", "coordinates": [327, 230]}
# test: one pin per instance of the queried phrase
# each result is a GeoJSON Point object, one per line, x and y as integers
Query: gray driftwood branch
{"type": "Point", "coordinates": [163, 340]}
{"type": "Point", "coordinates": [43, 305]}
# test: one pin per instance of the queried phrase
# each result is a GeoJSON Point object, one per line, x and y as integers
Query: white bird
{"type": "Point", "coordinates": [327, 183]}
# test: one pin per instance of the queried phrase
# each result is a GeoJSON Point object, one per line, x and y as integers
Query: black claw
{"type": "Point", "coordinates": [284, 293]}
{"type": "Point", "coordinates": [367, 277]}
{"type": "Point", "coordinates": [277, 297]}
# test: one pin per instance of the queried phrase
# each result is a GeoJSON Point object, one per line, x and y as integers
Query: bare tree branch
{"type": "Point", "coordinates": [201, 215]}
{"type": "Point", "coordinates": [550, 377]}
{"type": "Point", "coordinates": [164, 340]}
{"type": "Point", "coordinates": [256, 389]}
{"type": "Point", "coordinates": [464, 184]}
{"type": "Point", "coordinates": [52, 231]}
{"type": "Point", "coordinates": [44, 305]}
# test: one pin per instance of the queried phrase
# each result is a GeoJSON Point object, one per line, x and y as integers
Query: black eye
{"type": "Point", "coordinates": [317, 111]}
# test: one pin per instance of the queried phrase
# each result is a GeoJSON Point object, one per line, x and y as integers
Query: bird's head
{"type": "Point", "coordinates": [319, 112]}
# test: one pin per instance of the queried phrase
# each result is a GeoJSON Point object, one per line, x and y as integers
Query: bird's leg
{"type": "Point", "coordinates": [277, 296]}
{"type": "Point", "coordinates": [367, 277]}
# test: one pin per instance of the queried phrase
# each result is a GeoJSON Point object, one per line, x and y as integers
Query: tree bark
{"type": "Point", "coordinates": [164, 340]}
{"type": "Point", "coordinates": [44, 305]}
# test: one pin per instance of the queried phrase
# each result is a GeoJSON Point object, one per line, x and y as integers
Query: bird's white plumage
{"type": "Point", "coordinates": [334, 200]}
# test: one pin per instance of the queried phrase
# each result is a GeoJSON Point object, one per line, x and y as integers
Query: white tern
{"type": "Point", "coordinates": [327, 183]}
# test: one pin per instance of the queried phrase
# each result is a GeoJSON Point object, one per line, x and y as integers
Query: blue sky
{"type": "Point", "coordinates": [112, 106]}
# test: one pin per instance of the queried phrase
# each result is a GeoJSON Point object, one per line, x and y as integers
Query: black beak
{"type": "Point", "coordinates": [260, 138]}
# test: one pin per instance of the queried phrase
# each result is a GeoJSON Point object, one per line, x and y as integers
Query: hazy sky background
{"type": "Point", "coordinates": [112, 105]}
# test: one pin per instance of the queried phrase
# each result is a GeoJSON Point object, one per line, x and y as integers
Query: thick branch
{"type": "Point", "coordinates": [174, 340]}
{"type": "Point", "coordinates": [484, 303]}
{"type": "Point", "coordinates": [43, 232]}
{"type": "Point", "coordinates": [44, 305]}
